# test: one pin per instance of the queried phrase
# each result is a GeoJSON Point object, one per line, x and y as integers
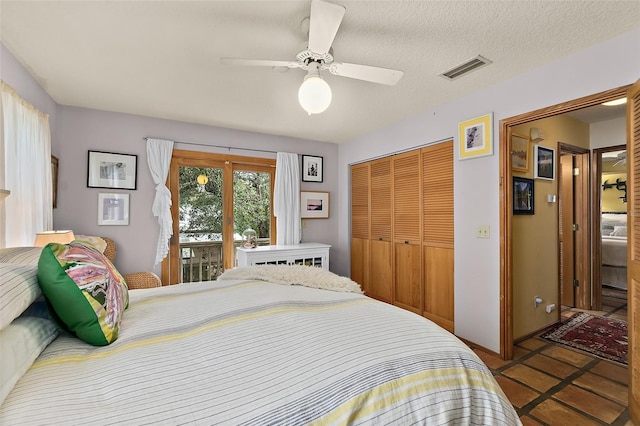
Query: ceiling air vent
{"type": "Point", "coordinates": [466, 67]}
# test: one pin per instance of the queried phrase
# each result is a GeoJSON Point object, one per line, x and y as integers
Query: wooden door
{"type": "Point", "coordinates": [567, 289]}
{"type": "Point", "coordinates": [381, 267]}
{"type": "Point", "coordinates": [437, 236]}
{"type": "Point", "coordinates": [633, 247]}
{"type": "Point", "coordinates": [407, 229]}
{"type": "Point", "coordinates": [214, 201]}
{"type": "Point", "coordinates": [582, 240]}
{"type": "Point", "coordinates": [360, 225]}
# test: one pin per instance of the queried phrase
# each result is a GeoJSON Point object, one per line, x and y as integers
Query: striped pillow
{"type": "Point", "coordinates": [20, 345]}
{"type": "Point", "coordinates": [21, 255]}
{"type": "Point", "coordinates": [18, 289]}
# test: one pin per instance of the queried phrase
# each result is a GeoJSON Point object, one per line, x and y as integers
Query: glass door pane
{"type": "Point", "coordinates": [200, 223]}
{"type": "Point", "coordinates": [252, 206]}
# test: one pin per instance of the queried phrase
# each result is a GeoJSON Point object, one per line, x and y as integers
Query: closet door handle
{"type": "Point", "coordinates": [406, 241]}
{"type": "Point", "coordinates": [379, 238]}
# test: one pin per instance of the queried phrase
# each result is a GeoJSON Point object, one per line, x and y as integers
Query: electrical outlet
{"type": "Point", "coordinates": [482, 231]}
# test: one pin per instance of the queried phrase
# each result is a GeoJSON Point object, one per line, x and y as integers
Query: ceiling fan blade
{"type": "Point", "coordinates": [367, 73]}
{"type": "Point", "coordinates": [324, 24]}
{"type": "Point", "coordinates": [259, 62]}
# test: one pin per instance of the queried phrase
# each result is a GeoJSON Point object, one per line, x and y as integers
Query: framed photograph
{"type": "Point", "coordinates": [311, 168]}
{"type": "Point", "coordinates": [314, 205]}
{"type": "Point", "coordinates": [110, 170]}
{"type": "Point", "coordinates": [523, 195]}
{"type": "Point", "coordinates": [54, 180]}
{"type": "Point", "coordinates": [475, 137]}
{"type": "Point", "coordinates": [545, 163]}
{"type": "Point", "coordinates": [519, 153]}
{"type": "Point", "coordinates": [113, 209]}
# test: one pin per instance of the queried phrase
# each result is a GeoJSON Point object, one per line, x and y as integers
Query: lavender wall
{"type": "Point", "coordinates": [477, 181]}
{"type": "Point", "coordinates": [14, 74]}
{"type": "Point", "coordinates": [81, 130]}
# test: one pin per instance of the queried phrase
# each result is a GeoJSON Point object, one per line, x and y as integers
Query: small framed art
{"type": "Point", "coordinates": [111, 170]}
{"type": "Point", "coordinates": [519, 153]}
{"type": "Point", "coordinates": [113, 209]}
{"type": "Point", "coordinates": [311, 168]}
{"type": "Point", "coordinates": [545, 163]}
{"type": "Point", "coordinates": [314, 205]}
{"type": "Point", "coordinates": [475, 137]}
{"type": "Point", "coordinates": [523, 196]}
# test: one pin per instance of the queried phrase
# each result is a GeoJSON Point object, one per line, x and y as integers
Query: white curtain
{"type": "Point", "coordinates": [25, 157]}
{"type": "Point", "coordinates": [286, 198]}
{"type": "Point", "coordinates": [159, 158]}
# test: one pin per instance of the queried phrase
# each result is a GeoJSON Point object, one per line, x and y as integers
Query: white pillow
{"type": "Point", "coordinates": [20, 345]}
{"type": "Point", "coordinates": [619, 231]}
{"type": "Point", "coordinates": [96, 242]}
{"type": "Point", "coordinates": [18, 289]}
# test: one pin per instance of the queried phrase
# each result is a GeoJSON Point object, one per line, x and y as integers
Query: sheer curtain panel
{"type": "Point", "coordinates": [25, 156]}
{"type": "Point", "coordinates": [286, 198]}
{"type": "Point", "coordinates": [159, 158]}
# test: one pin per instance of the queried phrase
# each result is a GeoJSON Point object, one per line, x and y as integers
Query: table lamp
{"type": "Point", "coordinates": [61, 237]}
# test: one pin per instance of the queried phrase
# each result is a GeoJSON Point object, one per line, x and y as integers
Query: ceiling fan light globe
{"type": "Point", "coordinates": [314, 94]}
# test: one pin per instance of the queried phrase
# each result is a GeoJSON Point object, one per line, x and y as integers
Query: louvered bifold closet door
{"type": "Point", "coordinates": [360, 225]}
{"type": "Point", "coordinates": [633, 188]}
{"type": "Point", "coordinates": [381, 268]}
{"type": "Point", "coordinates": [407, 230]}
{"type": "Point", "coordinates": [437, 193]}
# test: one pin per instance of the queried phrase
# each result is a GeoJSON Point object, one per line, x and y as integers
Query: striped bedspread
{"type": "Point", "coordinates": [254, 353]}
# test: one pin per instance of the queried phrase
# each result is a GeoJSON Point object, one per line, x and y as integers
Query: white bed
{"type": "Point", "coordinates": [614, 250]}
{"type": "Point", "coordinates": [254, 352]}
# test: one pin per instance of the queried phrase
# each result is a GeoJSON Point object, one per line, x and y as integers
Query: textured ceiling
{"type": "Point", "coordinates": [162, 58]}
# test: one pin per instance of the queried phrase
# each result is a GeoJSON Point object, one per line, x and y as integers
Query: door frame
{"type": "Point", "coordinates": [506, 198]}
{"type": "Point", "coordinates": [596, 235]}
{"type": "Point", "coordinates": [228, 163]}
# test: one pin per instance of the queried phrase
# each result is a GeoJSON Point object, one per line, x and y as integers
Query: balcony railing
{"type": "Point", "coordinates": [202, 260]}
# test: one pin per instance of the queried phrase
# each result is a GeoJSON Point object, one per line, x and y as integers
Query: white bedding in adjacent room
{"type": "Point", "coordinates": [614, 251]}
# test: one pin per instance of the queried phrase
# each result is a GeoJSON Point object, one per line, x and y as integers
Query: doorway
{"type": "Point", "coordinates": [506, 202]}
{"type": "Point", "coordinates": [217, 200]}
{"type": "Point", "coordinates": [610, 228]}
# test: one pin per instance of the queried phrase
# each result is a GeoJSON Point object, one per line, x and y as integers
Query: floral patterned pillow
{"type": "Point", "coordinates": [85, 292]}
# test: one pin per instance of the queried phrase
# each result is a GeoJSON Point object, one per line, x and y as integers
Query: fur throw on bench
{"type": "Point", "coordinates": [293, 275]}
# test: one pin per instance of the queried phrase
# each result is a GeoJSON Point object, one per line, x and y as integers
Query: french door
{"type": "Point", "coordinates": [215, 199]}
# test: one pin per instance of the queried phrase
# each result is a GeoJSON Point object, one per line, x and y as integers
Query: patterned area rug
{"type": "Point", "coordinates": [600, 336]}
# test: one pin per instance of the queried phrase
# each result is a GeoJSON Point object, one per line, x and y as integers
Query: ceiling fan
{"type": "Point", "coordinates": [314, 94]}
{"type": "Point", "coordinates": [622, 158]}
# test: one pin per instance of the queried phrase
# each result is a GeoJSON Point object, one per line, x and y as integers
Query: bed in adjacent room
{"type": "Point", "coordinates": [244, 350]}
{"type": "Point", "coordinates": [614, 250]}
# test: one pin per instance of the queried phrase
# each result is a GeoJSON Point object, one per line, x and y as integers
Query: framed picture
{"type": "Point", "coordinates": [110, 170]}
{"type": "Point", "coordinates": [314, 205]}
{"type": "Point", "coordinates": [519, 153]}
{"type": "Point", "coordinates": [113, 209]}
{"type": "Point", "coordinates": [545, 163]}
{"type": "Point", "coordinates": [475, 137]}
{"type": "Point", "coordinates": [523, 195]}
{"type": "Point", "coordinates": [311, 168]}
{"type": "Point", "coordinates": [54, 180]}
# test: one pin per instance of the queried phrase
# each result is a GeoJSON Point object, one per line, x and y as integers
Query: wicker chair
{"type": "Point", "coordinates": [135, 280]}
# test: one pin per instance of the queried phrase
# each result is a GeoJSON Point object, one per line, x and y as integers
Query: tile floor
{"type": "Point", "coordinates": [552, 385]}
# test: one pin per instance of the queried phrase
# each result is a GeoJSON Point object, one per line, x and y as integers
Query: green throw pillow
{"type": "Point", "coordinates": [85, 291]}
